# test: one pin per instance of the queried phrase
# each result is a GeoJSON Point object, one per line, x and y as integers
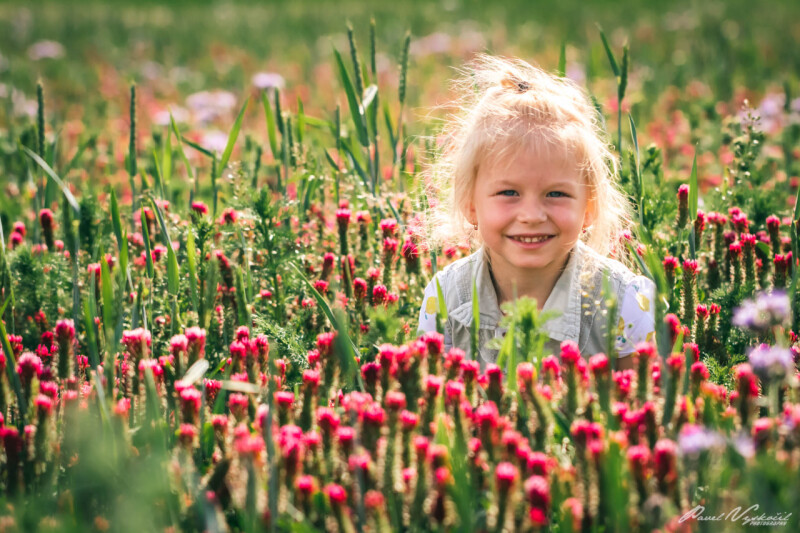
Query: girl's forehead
{"type": "Point", "coordinates": [529, 162]}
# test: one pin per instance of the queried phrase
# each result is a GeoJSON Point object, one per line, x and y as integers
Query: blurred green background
{"type": "Point", "coordinates": [194, 45]}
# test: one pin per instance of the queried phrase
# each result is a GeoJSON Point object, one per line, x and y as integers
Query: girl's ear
{"type": "Point", "coordinates": [472, 216]}
{"type": "Point", "coordinates": [591, 213]}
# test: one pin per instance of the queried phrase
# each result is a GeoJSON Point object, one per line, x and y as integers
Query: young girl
{"type": "Point", "coordinates": [526, 176]}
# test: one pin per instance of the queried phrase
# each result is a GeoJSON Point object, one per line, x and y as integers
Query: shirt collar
{"type": "Point", "coordinates": [564, 299]}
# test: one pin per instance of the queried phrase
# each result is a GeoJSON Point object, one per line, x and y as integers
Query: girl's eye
{"type": "Point", "coordinates": [507, 192]}
{"type": "Point", "coordinates": [557, 194]}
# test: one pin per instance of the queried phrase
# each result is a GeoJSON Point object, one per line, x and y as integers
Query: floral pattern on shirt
{"type": "Point", "coordinates": [636, 322]}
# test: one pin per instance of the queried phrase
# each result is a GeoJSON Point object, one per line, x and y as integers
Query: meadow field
{"type": "Point", "coordinates": [213, 251]}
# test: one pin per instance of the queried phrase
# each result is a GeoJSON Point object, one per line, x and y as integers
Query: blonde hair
{"type": "Point", "coordinates": [507, 104]}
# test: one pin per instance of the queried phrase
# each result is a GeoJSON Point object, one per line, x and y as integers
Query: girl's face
{"type": "Point", "coordinates": [530, 212]}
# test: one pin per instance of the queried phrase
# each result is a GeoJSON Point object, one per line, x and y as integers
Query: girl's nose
{"type": "Point", "coordinates": [531, 212]}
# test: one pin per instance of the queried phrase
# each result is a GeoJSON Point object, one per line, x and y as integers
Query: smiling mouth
{"type": "Point", "coordinates": [530, 240]}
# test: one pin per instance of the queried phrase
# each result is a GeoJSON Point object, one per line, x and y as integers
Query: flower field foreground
{"type": "Point", "coordinates": [220, 338]}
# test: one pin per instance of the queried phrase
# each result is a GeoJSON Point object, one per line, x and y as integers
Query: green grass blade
{"type": "Point", "coordinates": [623, 74]}
{"type": "Point", "coordinates": [271, 133]}
{"type": "Point", "coordinates": [108, 293]}
{"type": "Point", "coordinates": [116, 222]}
{"type": "Point", "coordinates": [637, 172]}
{"type": "Point", "coordinates": [562, 60]}
{"type": "Point", "coordinates": [146, 237]}
{"type": "Point", "coordinates": [191, 260]}
{"type": "Point", "coordinates": [693, 191]}
{"type": "Point", "coordinates": [158, 175]}
{"type": "Point", "coordinates": [609, 53]}
{"type": "Point", "coordinates": [166, 165]}
{"type": "Point", "coordinates": [401, 91]}
{"type": "Point", "coordinates": [123, 252]}
{"type": "Point", "coordinates": [165, 238]}
{"type": "Point", "coordinates": [89, 313]}
{"type": "Point", "coordinates": [352, 101]}
{"type": "Point", "coordinates": [232, 136]}
{"type": "Point", "coordinates": [442, 307]}
{"type": "Point", "coordinates": [358, 82]}
{"type": "Point", "coordinates": [476, 323]}
{"type": "Point", "coordinates": [387, 118]}
{"type": "Point", "coordinates": [797, 205]}
{"type": "Point", "coordinates": [210, 293]}
{"type": "Point", "coordinates": [242, 310]}
{"type": "Point", "coordinates": [301, 121]}
{"type": "Point", "coordinates": [204, 151]}
{"type": "Point", "coordinates": [173, 277]}
{"type": "Point", "coordinates": [180, 147]}
{"type": "Point", "coordinates": [54, 177]}
{"type": "Point", "coordinates": [11, 365]}
{"type": "Point", "coordinates": [82, 148]}
{"type": "Point", "coordinates": [372, 48]}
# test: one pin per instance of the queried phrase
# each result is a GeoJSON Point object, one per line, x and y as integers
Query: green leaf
{"type": "Point", "coordinates": [54, 177]}
{"type": "Point", "coordinates": [352, 101]}
{"type": "Point", "coordinates": [232, 136]}
{"type": "Point", "coordinates": [609, 53]}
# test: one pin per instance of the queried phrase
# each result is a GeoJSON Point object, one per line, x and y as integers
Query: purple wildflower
{"type": "Point", "coordinates": [769, 309]}
{"type": "Point", "coordinates": [769, 360]}
{"type": "Point", "coordinates": [694, 439]}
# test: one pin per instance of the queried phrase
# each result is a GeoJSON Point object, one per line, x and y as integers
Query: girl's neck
{"type": "Point", "coordinates": [508, 283]}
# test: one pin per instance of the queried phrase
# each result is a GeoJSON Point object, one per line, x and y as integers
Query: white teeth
{"type": "Point", "coordinates": [531, 239]}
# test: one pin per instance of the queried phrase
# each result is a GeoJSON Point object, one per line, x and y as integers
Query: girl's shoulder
{"type": "Point", "coordinates": [458, 270]}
